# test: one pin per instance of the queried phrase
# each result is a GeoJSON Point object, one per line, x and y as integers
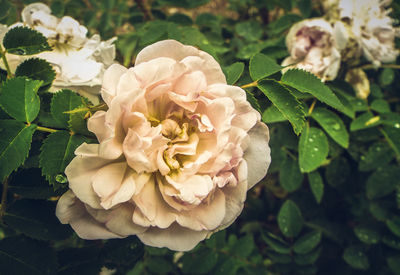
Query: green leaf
{"type": "Point", "coordinates": [38, 69]}
{"type": "Point", "coordinates": [391, 241]}
{"type": "Point", "coordinates": [30, 184]}
{"type": "Point", "coordinates": [19, 255]}
{"type": "Point", "coordinates": [309, 258]}
{"type": "Point", "coordinates": [306, 243]}
{"type": "Point", "coordinates": [262, 66]}
{"type": "Point", "coordinates": [364, 121]}
{"type": "Point", "coordinates": [243, 247]}
{"type": "Point", "coordinates": [64, 101]}
{"type": "Point", "coordinates": [313, 149]}
{"type": "Point", "coordinates": [82, 260]}
{"type": "Point", "coordinates": [78, 124]}
{"type": "Point", "coordinates": [290, 177]}
{"type": "Point", "coordinates": [394, 225]}
{"type": "Point", "coordinates": [6, 8]}
{"type": "Point", "coordinates": [25, 41]}
{"type": "Point", "coordinates": [386, 77]}
{"type": "Point", "coordinates": [15, 142]}
{"type": "Point", "coordinates": [290, 220]}
{"type": "Point", "coordinates": [19, 99]}
{"type": "Point", "coordinates": [286, 103]}
{"type": "Point", "coordinates": [276, 243]}
{"type": "Point", "coordinates": [308, 83]}
{"type": "Point", "coordinates": [367, 234]}
{"type": "Point", "coordinates": [380, 105]}
{"type": "Point", "coordinates": [316, 185]}
{"type": "Point", "coordinates": [36, 219]}
{"type": "Point", "coordinates": [233, 72]}
{"type": "Point", "coordinates": [249, 30]}
{"type": "Point", "coordinates": [333, 125]}
{"type": "Point", "coordinates": [394, 264]}
{"type": "Point", "coordinates": [272, 114]}
{"type": "Point", "coordinates": [392, 136]}
{"type": "Point", "coordinates": [356, 257]}
{"type": "Point", "coordinates": [379, 154]}
{"type": "Point", "coordinates": [57, 152]}
{"type": "Point", "coordinates": [382, 182]}
{"type": "Point", "coordinates": [201, 261]}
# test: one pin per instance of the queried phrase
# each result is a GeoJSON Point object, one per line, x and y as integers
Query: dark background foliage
{"type": "Point", "coordinates": [334, 210]}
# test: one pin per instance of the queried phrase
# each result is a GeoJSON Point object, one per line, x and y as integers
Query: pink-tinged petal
{"type": "Point", "coordinates": [151, 204]}
{"type": "Point", "coordinates": [96, 125]}
{"type": "Point", "coordinates": [177, 51]}
{"type": "Point", "coordinates": [70, 210]}
{"type": "Point", "coordinates": [190, 82]}
{"type": "Point", "coordinates": [206, 216]}
{"type": "Point", "coordinates": [258, 154]}
{"type": "Point", "coordinates": [158, 71]}
{"type": "Point", "coordinates": [174, 237]}
{"type": "Point", "coordinates": [235, 197]}
{"type": "Point", "coordinates": [192, 188]}
{"type": "Point", "coordinates": [110, 81]}
{"type": "Point", "coordinates": [81, 170]}
{"type": "Point", "coordinates": [128, 83]}
{"type": "Point", "coordinates": [107, 181]}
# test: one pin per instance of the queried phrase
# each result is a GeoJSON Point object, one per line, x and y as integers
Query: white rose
{"type": "Point", "coordinates": [314, 45]}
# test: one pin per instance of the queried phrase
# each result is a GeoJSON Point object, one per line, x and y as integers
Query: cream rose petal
{"type": "Point", "coordinates": [174, 237]}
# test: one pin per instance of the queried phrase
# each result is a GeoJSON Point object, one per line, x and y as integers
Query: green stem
{"type": "Point", "coordinates": [3, 57]}
{"type": "Point", "coordinates": [252, 84]}
{"type": "Point", "coordinates": [4, 198]}
{"type": "Point", "coordinates": [370, 66]}
{"type": "Point", "coordinates": [45, 129]}
{"type": "Point", "coordinates": [391, 144]}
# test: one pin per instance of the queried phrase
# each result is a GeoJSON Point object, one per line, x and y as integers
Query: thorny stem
{"type": "Point", "coordinates": [4, 198]}
{"type": "Point", "coordinates": [3, 57]}
{"type": "Point", "coordinates": [144, 7]}
{"type": "Point", "coordinates": [252, 84]}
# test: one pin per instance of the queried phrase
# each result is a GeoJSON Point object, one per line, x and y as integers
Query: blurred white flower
{"type": "Point", "coordinates": [372, 27]}
{"type": "Point", "coordinates": [314, 45]}
{"type": "Point", "coordinates": [79, 61]}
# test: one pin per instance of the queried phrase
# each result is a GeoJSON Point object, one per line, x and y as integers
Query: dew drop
{"type": "Point", "coordinates": [336, 126]}
{"type": "Point", "coordinates": [397, 125]}
{"type": "Point", "coordinates": [310, 139]}
{"type": "Point", "coordinates": [316, 149]}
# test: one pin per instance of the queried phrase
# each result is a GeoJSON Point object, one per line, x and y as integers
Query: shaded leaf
{"type": "Point", "coordinates": [383, 182]}
{"type": "Point", "coordinates": [290, 219]}
{"type": "Point", "coordinates": [367, 234]}
{"type": "Point", "coordinates": [316, 185]}
{"type": "Point", "coordinates": [19, 255]}
{"type": "Point", "coordinates": [233, 72]}
{"type": "Point", "coordinates": [201, 261]}
{"type": "Point", "coordinates": [290, 177]}
{"type": "Point", "coordinates": [333, 125]}
{"type": "Point", "coordinates": [313, 149]}
{"type": "Point", "coordinates": [356, 257]}
{"type": "Point", "coordinates": [366, 120]}
{"type": "Point", "coordinates": [307, 242]}
{"type": "Point", "coordinates": [38, 69]}
{"type": "Point", "coordinates": [57, 152]}
{"type": "Point", "coordinates": [15, 142]}
{"type": "Point", "coordinates": [36, 219]}
{"type": "Point", "coordinates": [25, 41]}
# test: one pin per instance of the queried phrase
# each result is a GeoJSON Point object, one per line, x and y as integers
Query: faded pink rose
{"type": "Point", "coordinates": [178, 150]}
